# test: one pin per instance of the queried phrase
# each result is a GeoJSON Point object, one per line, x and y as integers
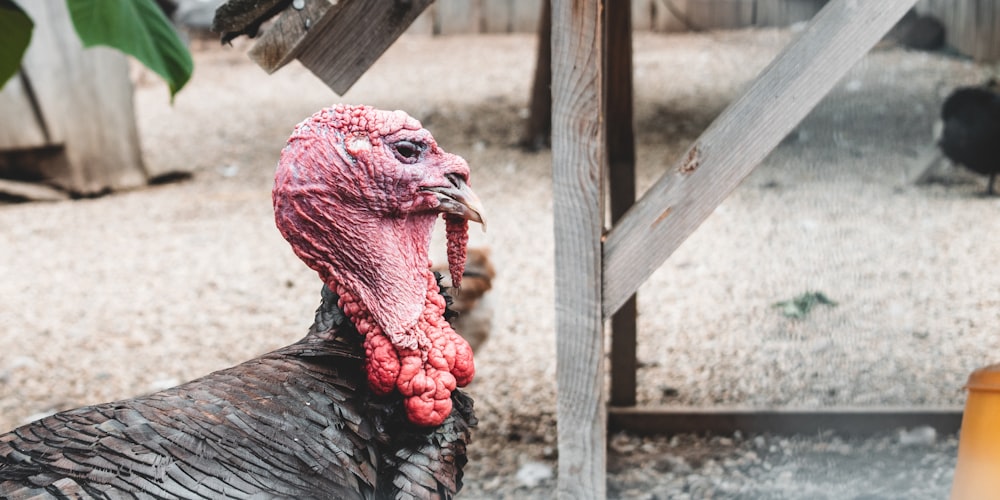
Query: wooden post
{"type": "Point", "coordinates": [784, 93]}
{"type": "Point", "coordinates": [621, 183]}
{"type": "Point", "coordinates": [578, 166]}
{"type": "Point", "coordinates": [539, 126]}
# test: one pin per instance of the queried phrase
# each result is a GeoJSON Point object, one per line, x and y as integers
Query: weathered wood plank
{"type": "Point", "coordinates": [784, 421]}
{"type": "Point", "coordinates": [22, 127]}
{"type": "Point", "coordinates": [282, 41]}
{"type": "Point", "coordinates": [348, 40]}
{"type": "Point", "coordinates": [85, 100]}
{"type": "Point", "coordinates": [739, 139]}
{"type": "Point", "coordinates": [619, 130]}
{"type": "Point", "coordinates": [578, 163]}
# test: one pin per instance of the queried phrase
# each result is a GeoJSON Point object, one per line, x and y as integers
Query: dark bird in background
{"type": "Point", "coordinates": [365, 406]}
{"type": "Point", "coordinates": [918, 31]}
{"type": "Point", "coordinates": [971, 129]}
{"type": "Point", "coordinates": [474, 308]}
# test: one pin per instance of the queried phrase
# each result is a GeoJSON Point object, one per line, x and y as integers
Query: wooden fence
{"type": "Point", "coordinates": [971, 26]}
{"type": "Point", "coordinates": [446, 17]}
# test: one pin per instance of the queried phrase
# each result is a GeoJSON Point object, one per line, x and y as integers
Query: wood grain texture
{"type": "Point", "coordinates": [85, 100]}
{"type": "Point", "coordinates": [348, 40]}
{"type": "Point", "coordinates": [578, 165]}
{"type": "Point", "coordinates": [282, 41]}
{"type": "Point", "coordinates": [739, 139]}
{"type": "Point", "coordinates": [854, 421]}
{"type": "Point", "coordinates": [620, 131]}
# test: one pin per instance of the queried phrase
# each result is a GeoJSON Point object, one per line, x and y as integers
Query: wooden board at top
{"type": "Point", "coordinates": [350, 38]}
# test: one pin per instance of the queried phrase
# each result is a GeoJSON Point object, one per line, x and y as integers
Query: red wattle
{"type": "Point", "coordinates": [425, 376]}
{"type": "Point", "coordinates": [457, 231]}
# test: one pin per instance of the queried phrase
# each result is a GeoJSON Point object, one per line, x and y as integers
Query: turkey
{"type": "Point", "coordinates": [365, 406]}
{"type": "Point", "coordinates": [971, 132]}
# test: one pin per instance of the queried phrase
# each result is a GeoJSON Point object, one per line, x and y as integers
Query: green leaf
{"type": "Point", "coordinates": [138, 28]}
{"type": "Point", "coordinates": [799, 307]}
{"type": "Point", "coordinates": [15, 34]}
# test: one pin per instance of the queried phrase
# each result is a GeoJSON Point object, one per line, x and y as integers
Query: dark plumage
{"type": "Point", "coordinates": [971, 133]}
{"type": "Point", "coordinates": [298, 422]}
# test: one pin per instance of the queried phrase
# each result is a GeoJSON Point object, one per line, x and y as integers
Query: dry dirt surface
{"type": "Point", "coordinates": [113, 297]}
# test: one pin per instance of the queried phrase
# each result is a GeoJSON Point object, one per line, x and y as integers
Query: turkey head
{"type": "Point", "coordinates": [356, 194]}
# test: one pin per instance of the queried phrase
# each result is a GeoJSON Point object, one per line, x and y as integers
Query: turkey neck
{"type": "Point", "coordinates": [382, 268]}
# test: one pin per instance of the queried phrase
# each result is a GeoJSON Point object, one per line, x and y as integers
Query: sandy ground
{"type": "Point", "coordinates": [112, 297]}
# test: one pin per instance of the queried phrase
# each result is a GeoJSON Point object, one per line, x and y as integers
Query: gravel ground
{"type": "Point", "coordinates": [112, 297]}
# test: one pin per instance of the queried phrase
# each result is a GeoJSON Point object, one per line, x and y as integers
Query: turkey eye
{"type": "Point", "coordinates": [407, 151]}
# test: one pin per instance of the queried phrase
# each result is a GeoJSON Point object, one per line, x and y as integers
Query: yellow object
{"type": "Point", "coordinates": [977, 474]}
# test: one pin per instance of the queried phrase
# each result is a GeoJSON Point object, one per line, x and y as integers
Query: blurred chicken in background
{"type": "Point", "coordinates": [472, 301]}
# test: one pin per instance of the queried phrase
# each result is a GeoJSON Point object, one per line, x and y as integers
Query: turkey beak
{"type": "Point", "coordinates": [459, 199]}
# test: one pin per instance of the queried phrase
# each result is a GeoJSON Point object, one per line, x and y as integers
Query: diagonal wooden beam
{"type": "Point", "coordinates": [838, 36]}
{"type": "Point", "coordinates": [282, 42]}
{"type": "Point", "coordinates": [347, 40]}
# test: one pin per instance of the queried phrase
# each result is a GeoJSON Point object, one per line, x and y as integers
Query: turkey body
{"type": "Point", "coordinates": [299, 422]}
{"type": "Point", "coordinates": [971, 134]}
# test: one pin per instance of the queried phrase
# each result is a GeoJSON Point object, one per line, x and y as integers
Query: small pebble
{"type": "Point", "coordinates": [531, 474]}
{"type": "Point", "coordinates": [918, 436]}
